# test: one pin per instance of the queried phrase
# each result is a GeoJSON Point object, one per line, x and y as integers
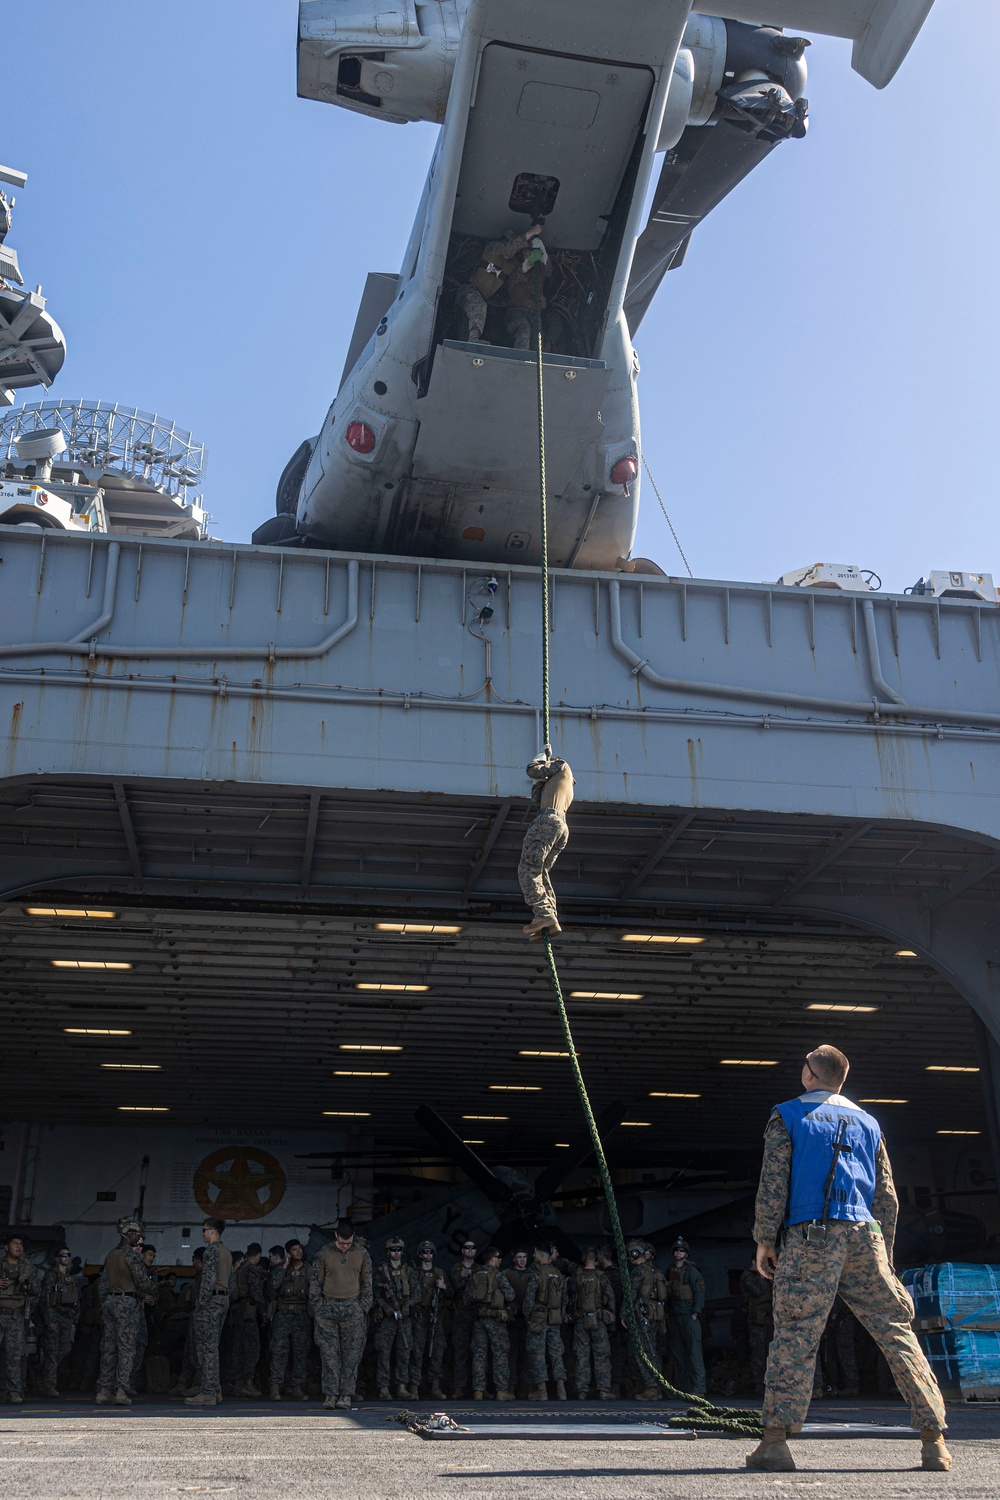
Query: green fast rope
{"type": "Point", "coordinates": [701, 1413]}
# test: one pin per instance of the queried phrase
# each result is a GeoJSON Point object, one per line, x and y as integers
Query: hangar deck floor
{"type": "Point", "coordinates": [160, 1449]}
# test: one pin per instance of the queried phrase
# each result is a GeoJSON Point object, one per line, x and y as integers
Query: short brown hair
{"type": "Point", "coordinates": [829, 1065]}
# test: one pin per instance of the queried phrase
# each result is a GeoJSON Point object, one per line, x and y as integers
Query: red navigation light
{"type": "Point", "coordinates": [625, 470]}
{"type": "Point", "coordinates": [361, 438]}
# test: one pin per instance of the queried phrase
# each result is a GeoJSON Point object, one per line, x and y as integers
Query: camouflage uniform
{"type": "Point", "coordinates": [497, 264]}
{"type": "Point", "coordinates": [122, 1313]}
{"type": "Point", "coordinates": [461, 1327]}
{"type": "Point", "coordinates": [517, 1329]}
{"type": "Point", "coordinates": [17, 1297]}
{"type": "Point", "coordinates": [394, 1290]}
{"type": "Point", "coordinates": [59, 1304]}
{"type": "Point", "coordinates": [758, 1302]}
{"type": "Point", "coordinates": [648, 1312]}
{"type": "Point", "coordinates": [545, 839]}
{"type": "Point", "coordinates": [593, 1307]}
{"type": "Point", "coordinates": [341, 1323]}
{"type": "Point", "coordinates": [209, 1314]}
{"type": "Point", "coordinates": [246, 1309]}
{"type": "Point", "coordinates": [489, 1293]}
{"type": "Point", "coordinates": [427, 1324]}
{"type": "Point", "coordinates": [685, 1298]}
{"type": "Point", "coordinates": [544, 1309]}
{"type": "Point", "coordinates": [291, 1328]}
{"type": "Point", "coordinates": [854, 1259]}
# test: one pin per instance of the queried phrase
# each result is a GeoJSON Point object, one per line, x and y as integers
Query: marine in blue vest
{"type": "Point", "coordinates": [826, 1183]}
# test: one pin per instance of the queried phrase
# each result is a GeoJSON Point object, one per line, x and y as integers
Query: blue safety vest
{"type": "Point", "coordinates": [813, 1125]}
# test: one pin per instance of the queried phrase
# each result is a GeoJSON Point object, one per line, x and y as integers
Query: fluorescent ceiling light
{"type": "Point", "coordinates": [349, 1114]}
{"type": "Point", "coordinates": [94, 1031]}
{"type": "Point", "coordinates": [905, 953]}
{"type": "Point", "coordinates": [883, 1101]}
{"type": "Point", "coordinates": [948, 1068]}
{"type": "Point", "coordinates": [748, 1062]}
{"type": "Point", "coordinates": [144, 1109]}
{"type": "Point", "coordinates": [424, 929]}
{"type": "Point", "coordinates": [544, 1054]}
{"type": "Point", "coordinates": [486, 1117]}
{"type": "Point", "coordinates": [657, 1095]}
{"type": "Point", "coordinates": [604, 995]}
{"type": "Point", "coordinates": [560, 1145]}
{"type": "Point", "coordinates": [515, 1088]}
{"type": "Point", "coordinates": [357, 1073]}
{"type": "Point", "coordinates": [133, 1067]}
{"type": "Point", "coordinates": [637, 1122]}
{"type": "Point", "coordinates": [660, 937]}
{"type": "Point", "coordinates": [86, 963]}
{"type": "Point", "coordinates": [959, 1132]}
{"type": "Point", "coordinates": [399, 989]}
{"type": "Point", "coordinates": [367, 1047]}
{"type": "Point", "coordinates": [858, 1009]}
{"type": "Point", "coordinates": [473, 1143]}
{"type": "Point", "coordinates": [69, 911]}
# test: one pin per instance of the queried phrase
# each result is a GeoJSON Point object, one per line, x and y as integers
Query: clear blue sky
{"type": "Point", "coordinates": [819, 381]}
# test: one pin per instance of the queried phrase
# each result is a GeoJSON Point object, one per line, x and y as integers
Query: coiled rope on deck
{"type": "Point", "coordinates": [702, 1413]}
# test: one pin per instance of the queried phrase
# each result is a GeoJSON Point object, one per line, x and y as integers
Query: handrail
{"type": "Point", "coordinates": [641, 668]}
{"type": "Point", "coordinates": [84, 644]}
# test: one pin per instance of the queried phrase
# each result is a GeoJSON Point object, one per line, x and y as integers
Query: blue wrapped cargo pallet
{"type": "Point", "coordinates": [957, 1319]}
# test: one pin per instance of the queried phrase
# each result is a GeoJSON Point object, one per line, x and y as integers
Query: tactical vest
{"type": "Point", "coordinates": [394, 1286]}
{"type": "Point", "coordinates": [813, 1125]}
{"type": "Point", "coordinates": [519, 1281]}
{"type": "Point", "coordinates": [678, 1289]}
{"type": "Point", "coordinates": [14, 1287]}
{"type": "Point", "coordinates": [588, 1292]}
{"type": "Point", "coordinates": [67, 1293]}
{"type": "Point", "coordinates": [120, 1277]}
{"type": "Point", "coordinates": [550, 1288]}
{"type": "Point", "coordinates": [482, 1284]}
{"type": "Point", "coordinates": [293, 1293]}
{"type": "Point", "coordinates": [427, 1281]}
{"type": "Point", "coordinates": [342, 1273]}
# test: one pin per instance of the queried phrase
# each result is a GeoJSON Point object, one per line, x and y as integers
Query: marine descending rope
{"type": "Point", "coordinates": [702, 1413]}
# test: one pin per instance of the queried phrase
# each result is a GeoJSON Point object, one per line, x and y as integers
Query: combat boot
{"type": "Point", "coordinates": [933, 1453]}
{"type": "Point", "coordinates": [405, 1393]}
{"type": "Point", "coordinates": [122, 1397]}
{"type": "Point", "coordinates": [384, 1393]}
{"type": "Point", "coordinates": [561, 1390]}
{"type": "Point", "coordinates": [297, 1394]}
{"type": "Point", "coordinates": [539, 925]}
{"type": "Point", "coordinates": [203, 1399]}
{"type": "Point", "coordinates": [274, 1391]}
{"type": "Point", "coordinates": [538, 1393]}
{"type": "Point", "coordinates": [437, 1394]}
{"type": "Point", "coordinates": [477, 1395]}
{"type": "Point", "coordinates": [604, 1396]}
{"type": "Point", "coordinates": [505, 1395]}
{"type": "Point", "coordinates": [15, 1398]}
{"type": "Point", "coordinates": [651, 1393]}
{"type": "Point", "coordinates": [772, 1454]}
{"type": "Point", "coordinates": [249, 1389]}
{"type": "Point", "coordinates": [331, 1402]}
{"type": "Point", "coordinates": [104, 1396]}
{"type": "Point", "coordinates": [50, 1392]}
{"type": "Point", "coordinates": [344, 1402]}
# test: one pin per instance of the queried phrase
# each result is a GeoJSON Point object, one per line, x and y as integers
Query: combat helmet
{"type": "Point", "coordinates": [426, 1247]}
{"type": "Point", "coordinates": [129, 1224]}
{"type": "Point", "coordinates": [395, 1244]}
{"type": "Point", "coordinates": [680, 1243]}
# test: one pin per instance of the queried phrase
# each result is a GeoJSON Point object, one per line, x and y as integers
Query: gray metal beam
{"type": "Point", "coordinates": [964, 882]}
{"type": "Point", "coordinates": [819, 862]}
{"type": "Point", "coordinates": [653, 859]}
{"type": "Point", "coordinates": [495, 829]}
{"type": "Point", "coordinates": [128, 829]}
{"type": "Point", "coordinates": [309, 846]}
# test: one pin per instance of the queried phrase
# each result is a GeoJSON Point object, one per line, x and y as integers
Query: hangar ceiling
{"type": "Point", "coordinates": [248, 919]}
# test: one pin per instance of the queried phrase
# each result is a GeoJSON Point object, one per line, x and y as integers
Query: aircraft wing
{"type": "Point", "coordinates": [883, 31]}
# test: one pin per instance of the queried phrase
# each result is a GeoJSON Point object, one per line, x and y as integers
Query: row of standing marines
{"type": "Point", "coordinates": [486, 1329]}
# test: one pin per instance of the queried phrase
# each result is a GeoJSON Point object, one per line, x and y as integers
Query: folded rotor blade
{"type": "Point", "coordinates": [462, 1155]}
{"type": "Point", "coordinates": [579, 1151]}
